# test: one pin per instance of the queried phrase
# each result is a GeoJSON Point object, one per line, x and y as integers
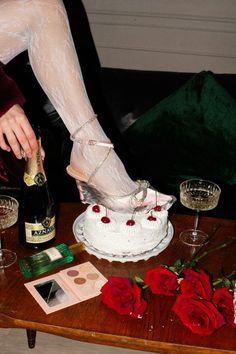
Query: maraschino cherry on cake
{"type": "Point", "coordinates": [122, 234]}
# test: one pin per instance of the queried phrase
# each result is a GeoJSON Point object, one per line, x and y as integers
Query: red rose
{"type": "Point", "coordinates": [196, 283]}
{"type": "Point", "coordinates": [122, 296]}
{"type": "Point", "coordinates": [161, 281]}
{"type": "Point", "coordinates": [224, 302]}
{"type": "Point", "coordinates": [199, 315]}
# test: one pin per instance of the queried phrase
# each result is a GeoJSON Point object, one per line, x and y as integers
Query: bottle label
{"type": "Point", "coordinates": [39, 179]}
{"type": "Point", "coordinates": [40, 232]}
{"type": "Point", "coordinates": [53, 254]}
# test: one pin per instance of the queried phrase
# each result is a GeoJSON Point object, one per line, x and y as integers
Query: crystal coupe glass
{"type": "Point", "coordinates": [199, 195]}
{"type": "Point", "coordinates": [8, 217]}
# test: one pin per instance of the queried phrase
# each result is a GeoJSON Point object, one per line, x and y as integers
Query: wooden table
{"type": "Point", "coordinates": [91, 321]}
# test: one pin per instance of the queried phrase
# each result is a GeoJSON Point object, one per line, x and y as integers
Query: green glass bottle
{"type": "Point", "coordinates": [37, 213]}
{"type": "Point", "coordinates": [51, 258]}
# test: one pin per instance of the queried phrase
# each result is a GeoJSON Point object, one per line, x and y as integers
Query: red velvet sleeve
{"type": "Point", "coordinates": [9, 93]}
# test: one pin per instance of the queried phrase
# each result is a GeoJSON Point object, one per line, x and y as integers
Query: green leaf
{"type": "Point", "coordinates": [227, 282]}
{"type": "Point", "coordinates": [138, 280]}
{"type": "Point", "coordinates": [173, 269]}
{"type": "Point", "coordinates": [178, 263]}
{"type": "Point", "coordinates": [190, 264]}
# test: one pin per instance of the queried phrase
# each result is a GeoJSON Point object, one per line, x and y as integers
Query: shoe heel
{"type": "Point", "coordinates": [90, 194]}
{"type": "Point", "coordinates": [80, 189]}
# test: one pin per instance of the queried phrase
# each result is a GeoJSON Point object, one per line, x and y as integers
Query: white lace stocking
{"type": "Point", "coordinates": [41, 27]}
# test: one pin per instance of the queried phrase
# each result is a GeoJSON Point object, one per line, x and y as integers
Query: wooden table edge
{"type": "Point", "coordinates": [108, 339]}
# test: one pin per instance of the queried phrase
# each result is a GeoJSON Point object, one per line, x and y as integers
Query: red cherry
{"type": "Point", "coordinates": [151, 218]}
{"type": "Point", "coordinates": [157, 208]}
{"type": "Point", "coordinates": [96, 208]}
{"type": "Point", "coordinates": [130, 222]}
{"type": "Point", "coordinates": [105, 220]}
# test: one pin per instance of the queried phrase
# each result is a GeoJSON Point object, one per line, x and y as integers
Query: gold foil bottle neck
{"type": "Point", "coordinates": [34, 172]}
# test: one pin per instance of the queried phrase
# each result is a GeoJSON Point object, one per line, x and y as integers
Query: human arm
{"type": "Point", "coordinates": [16, 133]}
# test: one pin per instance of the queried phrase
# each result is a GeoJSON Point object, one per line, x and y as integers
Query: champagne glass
{"type": "Point", "coordinates": [199, 195]}
{"type": "Point", "coordinates": [8, 217]}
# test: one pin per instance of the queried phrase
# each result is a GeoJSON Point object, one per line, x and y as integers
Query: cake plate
{"type": "Point", "coordinates": [79, 236]}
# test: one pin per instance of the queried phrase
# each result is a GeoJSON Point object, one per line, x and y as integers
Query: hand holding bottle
{"type": "Point", "coordinates": [16, 133]}
{"type": "Point", "coordinates": [37, 210]}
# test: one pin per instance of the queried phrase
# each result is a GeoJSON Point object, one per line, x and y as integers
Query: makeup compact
{"type": "Point", "coordinates": [67, 287]}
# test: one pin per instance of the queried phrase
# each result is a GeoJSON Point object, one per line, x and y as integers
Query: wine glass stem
{"type": "Point", "coordinates": [196, 223]}
{"type": "Point", "coordinates": [0, 246]}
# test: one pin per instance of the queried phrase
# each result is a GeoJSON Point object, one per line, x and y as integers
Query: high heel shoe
{"type": "Point", "coordinates": [136, 200]}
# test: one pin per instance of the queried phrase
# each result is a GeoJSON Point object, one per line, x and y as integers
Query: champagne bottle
{"type": "Point", "coordinates": [37, 209]}
{"type": "Point", "coordinates": [49, 259]}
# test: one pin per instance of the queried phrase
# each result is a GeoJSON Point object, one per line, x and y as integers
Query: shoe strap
{"type": "Point", "coordinates": [90, 120]}
{"type": "Point", "coordinates": [93, 142]}
{"type": "Point", "coordinates": [107, 144]}
{"type": "Point", "coordinates": [99, 165]}
{"type": "Point", "coordinates": [89, 142]}
{"type": "Point", "coordinates": [142, 188]}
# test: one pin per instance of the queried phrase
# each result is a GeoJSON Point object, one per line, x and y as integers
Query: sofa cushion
{"type": "Point", "coordinates": [191, 133]}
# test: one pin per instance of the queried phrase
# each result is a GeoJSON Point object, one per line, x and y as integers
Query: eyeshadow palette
{"type": "Point", "coordinates": [67, 287]}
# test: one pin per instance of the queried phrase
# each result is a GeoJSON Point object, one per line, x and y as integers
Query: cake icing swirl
{"type": "Point", "coordinates": [122, 234]}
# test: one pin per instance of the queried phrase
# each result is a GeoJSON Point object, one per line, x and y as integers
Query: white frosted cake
{"type": "Point", "coordinates": [121, 234]}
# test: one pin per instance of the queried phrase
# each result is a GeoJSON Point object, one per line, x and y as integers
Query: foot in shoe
{"type": "Point", "coordinates": [104, 179]}
{"type": "Point", "coordinates": [140, 199]}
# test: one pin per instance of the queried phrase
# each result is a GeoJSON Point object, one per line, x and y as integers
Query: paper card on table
{"type": "Point", "coordinates": [52, 293]}
{"type": "Point", "coordinates": [84, 280]}
{"type": "Point", "coordinates": [67, 287]}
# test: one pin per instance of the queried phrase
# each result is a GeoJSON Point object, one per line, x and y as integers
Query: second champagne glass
{"type": "Point", "coordinates": [199, 195]}
{"type": "Point", "coordinates": [8, 217]}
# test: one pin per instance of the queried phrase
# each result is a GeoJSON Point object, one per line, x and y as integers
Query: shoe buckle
{"type": "Point", "coordinates": [142, 188]}
{"type": "Point", "coordinates": [100, 143]}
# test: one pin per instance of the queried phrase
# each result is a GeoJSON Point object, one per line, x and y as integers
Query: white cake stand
{"type": "Point", "coordinates": [79, 236]}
